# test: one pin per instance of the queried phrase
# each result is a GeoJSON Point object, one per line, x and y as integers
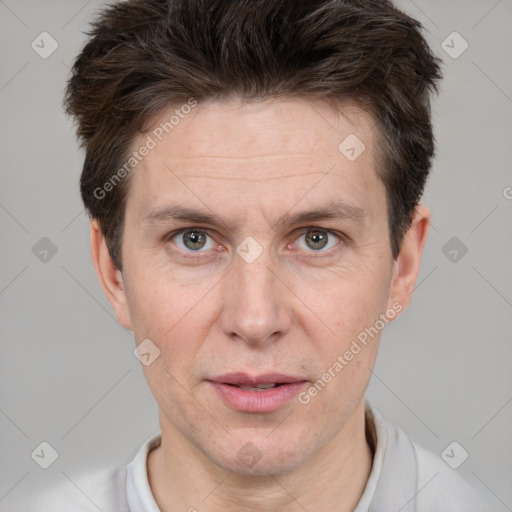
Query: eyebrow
{"type": "Point", "coordinates": [334, 210]}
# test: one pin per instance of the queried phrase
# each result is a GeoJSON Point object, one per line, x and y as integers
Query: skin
{"type": "Point", "coordinates": [293, 310]}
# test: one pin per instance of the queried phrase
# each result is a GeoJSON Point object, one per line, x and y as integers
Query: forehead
{"type": "Point", "coordinates": [250, 129]}
{"type": "Point", "coordinates": [275, 149]}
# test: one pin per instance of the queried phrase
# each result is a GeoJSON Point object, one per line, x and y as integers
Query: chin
{"type": "Point", "coordinates": [259, 457]}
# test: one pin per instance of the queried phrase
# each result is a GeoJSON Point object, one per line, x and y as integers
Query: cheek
{"type": "Point", "coordinates": [159, 302]}
{"type": "Point", "coordinates": [347, 301]}
{"type": "Point", "coordinates": [176, 316]}
{"type": "Point", "coordinates": [343, 326]}
{"type": "Point", "coordinates": [173, 316]}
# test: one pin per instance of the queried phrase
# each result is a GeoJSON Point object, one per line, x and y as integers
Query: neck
{"type": "Point", "coordinates": [182, 478]}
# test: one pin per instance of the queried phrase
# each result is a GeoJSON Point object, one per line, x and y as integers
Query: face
{"type": "Point", "coordinates": [254, 246]}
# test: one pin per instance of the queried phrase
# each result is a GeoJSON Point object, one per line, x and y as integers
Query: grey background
{"type": "Point", "coordinates": [67, 372]}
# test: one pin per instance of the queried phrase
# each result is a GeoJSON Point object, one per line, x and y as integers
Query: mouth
{"type": "Point", "coordinates": [260, 387]}
{"type": "Point", "coordinates": [257, 394]}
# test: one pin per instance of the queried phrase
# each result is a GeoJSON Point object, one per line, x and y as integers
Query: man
{"type": "Point", "coordinates": [253, 173]}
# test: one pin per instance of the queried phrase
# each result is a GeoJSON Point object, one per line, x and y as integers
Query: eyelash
{"type": "Point", "coordinates": [195, 255]}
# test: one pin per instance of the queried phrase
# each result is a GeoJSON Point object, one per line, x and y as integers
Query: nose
{"type": "Point", "coordinates": [256, 306]}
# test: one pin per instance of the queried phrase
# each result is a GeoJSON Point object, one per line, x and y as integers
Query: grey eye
{"type": "Point", "coordinates": [317, 239]}
{"type": "Point", "coordinates": [193, 240]}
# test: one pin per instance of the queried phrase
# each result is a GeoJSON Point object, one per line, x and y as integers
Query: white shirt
{"type": "Point", "coordinates": [404, 478]}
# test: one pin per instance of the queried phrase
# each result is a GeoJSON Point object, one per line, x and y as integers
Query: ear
{"type": "Point", "coordinates": [111, 279]}
{"type": "Point", "coordinates": [407, 266]}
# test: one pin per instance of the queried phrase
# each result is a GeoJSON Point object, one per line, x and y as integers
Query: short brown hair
{"type": "Point", "coordinates": [144, 55]}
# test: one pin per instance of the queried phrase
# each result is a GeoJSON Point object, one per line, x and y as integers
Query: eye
{"type": "Point", "coordinates": [193, 239]}
{"type": "Point", "coordinates": [319, 240]}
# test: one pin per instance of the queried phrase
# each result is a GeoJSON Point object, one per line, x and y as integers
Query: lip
{"type": "Point", "coordinates": [268, 400]}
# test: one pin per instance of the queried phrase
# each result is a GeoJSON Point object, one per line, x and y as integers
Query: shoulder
{"type": "Point", "coordinates": [103, 490]}
{"type": "Point", "coordinates": [442, 488]}
{"type": "Point", "coordinates": [411, 478]}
